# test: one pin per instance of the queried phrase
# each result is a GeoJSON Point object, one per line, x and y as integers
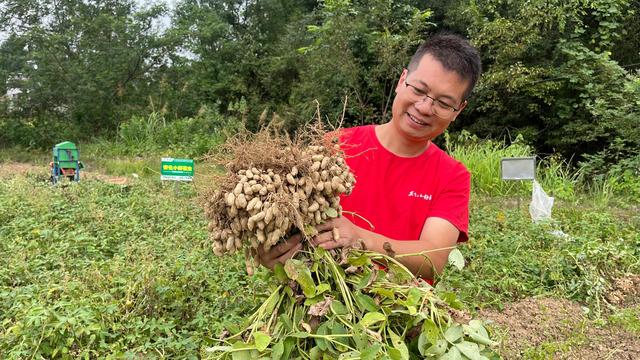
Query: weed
{"type": "Point", "coordinates": [628, 318]}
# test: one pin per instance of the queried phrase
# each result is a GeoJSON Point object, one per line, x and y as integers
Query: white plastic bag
{"type": "Point", "coordinates": [541, 204]}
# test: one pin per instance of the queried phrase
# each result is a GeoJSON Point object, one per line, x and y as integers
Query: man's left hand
{"type": "Point", "coordinates": [346, 231]}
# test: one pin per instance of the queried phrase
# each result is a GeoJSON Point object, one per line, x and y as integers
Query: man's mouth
{"type": "Point", "coordinates": [415, 120]}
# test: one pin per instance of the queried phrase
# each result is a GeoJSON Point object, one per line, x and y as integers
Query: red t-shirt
{"type": "Point", "coordinates": [397, 194]}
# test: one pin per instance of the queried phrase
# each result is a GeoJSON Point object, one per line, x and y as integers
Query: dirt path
{"type": "Point", "coordinates": [546, 328]}
{"type": "Point", "coordinates": [11, 169]}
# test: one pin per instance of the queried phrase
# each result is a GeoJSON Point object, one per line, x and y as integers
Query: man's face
{"type": "Point", "coordinates": [413, 113]}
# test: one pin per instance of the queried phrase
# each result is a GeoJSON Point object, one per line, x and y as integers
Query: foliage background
{"type": "Point", "coordinates": [564, 74]}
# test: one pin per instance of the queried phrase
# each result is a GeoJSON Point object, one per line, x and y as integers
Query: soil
{"type": "Point", "coordinates": [558, 329]}
{"type": "Point", "coordinates": [9, 170]}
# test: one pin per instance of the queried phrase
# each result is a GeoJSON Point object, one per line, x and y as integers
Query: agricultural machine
{"type": "Point", "coordinates": [66, 162]}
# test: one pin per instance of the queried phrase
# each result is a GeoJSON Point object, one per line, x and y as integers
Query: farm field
{"type": "Point", "coordinates": [120, 267]}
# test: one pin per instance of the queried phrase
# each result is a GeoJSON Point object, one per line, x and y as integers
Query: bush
{"type": "Point", "coordinates": [187, 136]}
{"type": "Point", "coordinates": [616, 168]}
{"type": "Point", "coordinates": [37, 133]}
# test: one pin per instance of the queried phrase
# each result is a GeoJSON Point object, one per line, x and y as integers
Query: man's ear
{"type": "Point", "coordinates": [462, 106]}
{"type": "Point", "coordinates": [402, 79]}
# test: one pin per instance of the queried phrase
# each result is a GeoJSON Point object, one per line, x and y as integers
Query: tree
{"type": "Point", "coordinates": [357, 50]}
{"type": "Point", "coordinates": [86, 62]}
{"type": "Point", "coordinates": [551, 72]}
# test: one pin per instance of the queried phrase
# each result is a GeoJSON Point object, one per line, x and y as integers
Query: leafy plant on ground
{"type": "Point", "coordinates": [575, 256]}
{"type": "Point", "coordinates": [337, 305]}
{"type": "Point", "coordinates": [110, 271]}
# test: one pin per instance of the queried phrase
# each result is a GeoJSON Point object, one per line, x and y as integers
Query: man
{"type": "Point", "coordinates": [410, 196]}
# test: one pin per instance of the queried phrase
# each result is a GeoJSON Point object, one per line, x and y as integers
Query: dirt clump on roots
{"type": "Point", "coordinates": [625, 291]}
{"type": "Point", "coordinates": [558, 329]}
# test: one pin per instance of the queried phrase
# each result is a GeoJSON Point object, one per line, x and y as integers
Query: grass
{"type": "Point", "coordinates": [483, 159]}
{"type": "Point", "coordinates": [628, 318]}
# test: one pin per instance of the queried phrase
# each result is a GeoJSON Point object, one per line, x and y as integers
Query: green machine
{"type": "Point", "coordinates": [66, 162]}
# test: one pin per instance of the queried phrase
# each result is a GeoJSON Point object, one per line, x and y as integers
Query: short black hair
{"type": "Point", "coordinates": [455, 53]}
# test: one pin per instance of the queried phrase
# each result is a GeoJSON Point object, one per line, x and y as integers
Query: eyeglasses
{"type": "Point", "coordinates": [440, 108]}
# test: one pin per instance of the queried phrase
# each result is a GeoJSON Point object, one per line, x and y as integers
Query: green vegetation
{"type": "Point", "coordinates": [563, 74]}
{"type": "Point", "coordinates": [628, 319]}
{"type": "Point", "coordinates": [127, 270]}
{"type": "Point", "coordinates": [575, 256]}
{"type": "Point", "coordinates": [93, 269]}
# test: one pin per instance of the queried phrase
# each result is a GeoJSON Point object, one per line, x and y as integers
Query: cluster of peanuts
{"type": "Point", "coordinates": [264, 205]}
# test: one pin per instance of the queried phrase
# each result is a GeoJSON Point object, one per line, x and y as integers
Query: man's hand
{"type": "Point", "coordinates": [279, 253]}
{"type": "Point", "coordinates": [337, 232]}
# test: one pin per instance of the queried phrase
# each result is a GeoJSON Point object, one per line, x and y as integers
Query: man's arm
{"type": "Point", "coordinates": [438, 236]}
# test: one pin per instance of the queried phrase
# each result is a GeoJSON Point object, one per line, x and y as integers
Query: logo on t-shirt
{"type": "Point", "coordinates": [421, 196]}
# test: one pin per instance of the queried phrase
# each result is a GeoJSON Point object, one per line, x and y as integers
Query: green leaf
{"type": "Point", "coordinates": [338, 308]}
{"type": "Point", "coordinates": [469, 349]}
{"type": "Point", "coordinates": [456, 259]}
{"type": "Point", "coordinates": [364, 282]}
{"type": "Point", "coordinates": [289, 343]}
{"type": "Point", "coordinates": [399, 346]}
{"type": "Point", "coordinates": [338, 329]}
{"type": "Point", "coordinates": [360, 337]}
{"type": "Point", "coordinates": [476, 331]}
{"type": "Point", "coordinates": [244, 355]}
{"type": "Point", "coordinates": [361, 260]}
{"type": "Point", "coordinates": [322, 343]}
{"type": "Point", "coordinates": [387, 293]}
{"type": "Point", "coordinates": [452, 354]}
{"type": "Point", "coordinates": [331, 212]}
{"type": "Point", "coordinates": [414, 297]}
{"type": "Point", "coordinates": [262, 340]}
{"type": "Point", "coordinates": [366, 302]}
{"type": "Point", "coordinates": [279, 273]}
{"type": "Point", "coordinates": [371, 318]}
{"type": "Point", "coordinates": [298, 271]}
{"type": "Point", "coordinates": [350, 355]}
{"type": "Point", "coordinates": [314, 300]}
{"type": "Point", "coordinates": [247, 352]}
{"type": "Point", "coordinates": [437, 349]}
{"type": "Point", "coordinates": [232, 327]}
{"type": "Point", "coordinates": [423, 342]}
{"type": "Point", "coordinates": [286, 322]}
{"type": "Point", "coordinates": [322, 288]}
{"type": "Point", "coordinates": [399, 274]}
{"type": "Point", "coordinates": [431, 331]}
{"type": "Point", "coordinates": [315, 353]}
{"type": "Point", "coordinates": [451, 299]}
{"type": "Point", "coordinates": [278, 350]}
{"type": "Point", "coordinates": [371, 352]}
{"type": "Point", "coordinates": [274, 299]}
{"type": "Point", "coordinates": [310, 230]}
{"type": "Point", "coordinates": [454, 333]}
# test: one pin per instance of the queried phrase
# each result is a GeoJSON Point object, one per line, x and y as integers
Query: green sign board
{"type": "Point", "coordinates": [176, 169]}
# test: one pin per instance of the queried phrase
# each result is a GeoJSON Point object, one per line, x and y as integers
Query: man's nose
{"type": "Point", "coordinates": [425, 106]}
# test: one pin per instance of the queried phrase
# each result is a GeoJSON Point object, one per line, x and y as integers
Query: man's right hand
{"type": "Point", "coordinates": [280, 253]}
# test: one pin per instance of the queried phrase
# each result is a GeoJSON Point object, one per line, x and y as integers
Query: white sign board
{"type": "Point", "coordinates": [522, 168]}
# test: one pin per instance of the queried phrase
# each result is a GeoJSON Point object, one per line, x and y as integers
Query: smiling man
{"type": "Point", "coordinates": [410, 196]}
